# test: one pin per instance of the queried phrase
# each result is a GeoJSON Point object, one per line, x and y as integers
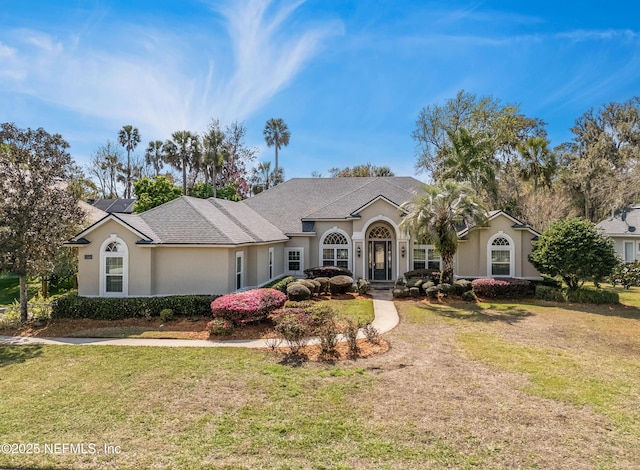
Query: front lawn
{"type": "Point", "coordinates": [10, 289]}
{"type": "Point", "coordinates": [499, 385]}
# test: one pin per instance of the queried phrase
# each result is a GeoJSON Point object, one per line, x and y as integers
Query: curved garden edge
{"type": "Point", "coordinates": [385, 319]}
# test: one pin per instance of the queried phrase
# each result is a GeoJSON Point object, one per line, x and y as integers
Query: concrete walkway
{"type": "Point", "coordinates": [386, 318]}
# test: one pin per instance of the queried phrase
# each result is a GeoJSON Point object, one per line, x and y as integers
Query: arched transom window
{"type": "Point", "coordinates": [501, 256]}
{"type": "Point", "coordinates": [335, 250]}
{"type": "Point", "coordinates": [114, 268]}
{"type": "Point", "coordinates": [380, 232]}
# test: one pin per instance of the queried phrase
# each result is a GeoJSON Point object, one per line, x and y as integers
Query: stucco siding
{"type": "Point", "coordinates": [191, 270]}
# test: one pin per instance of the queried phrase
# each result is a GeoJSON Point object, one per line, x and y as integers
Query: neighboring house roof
{"type": "Point", "coordinates": [290, 203]}
{"type": "Point", "coordinates": [194, 221]}
{"type": "Point", "coordinates": [124, 206]}
{"type": "Point", "coordinates": [92, 213]}
{"type": "Point", "coordinates": [624, 223]}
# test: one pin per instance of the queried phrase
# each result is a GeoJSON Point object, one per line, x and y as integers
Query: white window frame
{"type": "Point", "coordinates": [239, 274]}
{"type": "Point", "coordinates": [510, 249]}
{"type": "Point", "coordinates": [113, 238]}
{"type": "Point", "coordinates": [624, 251]}
{"type": "Point", "coordinates": [286, 260]}
{"type": "Point", "coordinates": [426, 249]}
{"type": "Point", "coordinates": [323, 246]}
{"type": "Point", "coordinates": [271, 258]}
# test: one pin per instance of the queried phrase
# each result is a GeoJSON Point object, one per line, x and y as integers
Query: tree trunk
{"type": "Point", "coordinates": [184, 177]}
{"type": "Point", "coordinates": [446, 276]}
{"type": "Point", "coordinates": [23, 298]}
{"type": "Point", "coordinates": [276, 157]}
{"type": "Point", "coordinates": [214, 177]}
{"type": "Point", "coordinates": [44, 287]}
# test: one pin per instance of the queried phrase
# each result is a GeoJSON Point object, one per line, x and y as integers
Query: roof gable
{"type": "Point", "coordinates": [492, 215]}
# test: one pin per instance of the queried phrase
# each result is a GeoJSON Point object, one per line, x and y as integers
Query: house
{"type": "Point", "coordinates": [624, 228]}
{"type": "Point", "coordinates": [198, 246]}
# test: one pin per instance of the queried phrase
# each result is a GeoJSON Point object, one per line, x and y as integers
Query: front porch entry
{"type": "Point", "coordinates": [380, 253]}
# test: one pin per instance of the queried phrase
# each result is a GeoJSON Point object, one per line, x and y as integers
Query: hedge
{"type": "Point", "coordinates": [101, 308]}
{"type": "Point", "coordinates": [281, 284]}
{"type": "Point", "coordinates": [552, 294]}
{"type": "Point", "coordinates": [432, 275]}
{"type": "Point", "coordinates": [326, 271]}
{"type": "Point", "coordinates": [489, 287]}
{"type": "Point", "coordinates": [592, 296]}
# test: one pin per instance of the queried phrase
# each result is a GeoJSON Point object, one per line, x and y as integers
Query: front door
{"type": "Point", "coordinates": [380, 260]}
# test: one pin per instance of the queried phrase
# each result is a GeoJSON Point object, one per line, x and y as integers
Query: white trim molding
{"type": "Point", "coordinates": [512, 254]}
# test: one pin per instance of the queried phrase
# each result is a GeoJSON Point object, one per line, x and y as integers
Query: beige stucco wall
{"type": "Point", "coordinates": [140, 261]}
{"type": "Point", "coordinates": [472, 257]}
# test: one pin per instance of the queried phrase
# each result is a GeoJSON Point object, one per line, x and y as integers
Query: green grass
{"type": "Point", "coordinates": [357, 309]}
{"type": "Point", "coordinates": [10, 289]}
{"type": "Point", "coordinates": [199, 408]}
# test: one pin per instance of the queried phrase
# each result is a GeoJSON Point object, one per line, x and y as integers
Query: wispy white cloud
{"type": "Point", "coordinates": [159, 80]}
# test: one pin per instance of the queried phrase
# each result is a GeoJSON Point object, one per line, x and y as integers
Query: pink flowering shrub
{"type": "Point", "coordinates": [489, 287]}
{"type": "Point", "coordinates": [245, 307]}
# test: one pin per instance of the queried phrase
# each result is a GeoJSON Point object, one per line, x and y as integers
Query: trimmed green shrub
{"type": "Point", "coordinates": [363, 286]}
{"type": "Point", "coordinates": [281, 284]}
{"type": "Point", "coordinates": [341, 284]}
{"type": "Point", "coordinates": [166, 315]}
{"type": "Point", "coordinates": [298, 292]}
{"type": "Point", "coordinates": [584, 295]}
{"type": "Point", "coordinates": [461, 286]}
{"type": "Point", "coordinates": [100, 308]}
{"type": "Point", "coordinates": [220, 327]}
{"type": "Point", "coordinates": [399, 282]}
{"type": "Point", "coordinates": [432, 292]}
{"type": "Point", "coordinates": [400, 292]}
{"type": "Point", "coordinates": [313, 286]}
{"type": "Point", "coordinates": [432, 275]}
{"type": "Point", "coordinates": [551, 294]}
{"type": "Point", "coordinates": [446, 289]}
{"type": "Point", "coordinates": [469, 296]}
{"type": "Point", "coordinates": [326, 271]}
{"type": "Point", "coordinates": [249, 306]}
{"type": "Point", "coordinates": [324, 284]}
{"type": "Point", "coordinates": [414, 292]}
{"type": "Point", "coordinates": [490, 287]}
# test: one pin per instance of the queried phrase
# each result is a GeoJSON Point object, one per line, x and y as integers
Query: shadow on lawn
{"type": "Point", "coordinates": [471, 312]}
{"type": "Point", "coordinates": [18, 353]}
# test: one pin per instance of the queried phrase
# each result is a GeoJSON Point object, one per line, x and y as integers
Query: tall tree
{"type": "Point", "coordinates": [264, 178]}
{"type": "Point", "coordinates": [153, 156]}
{"type": "Point", "coordinates": [37, 212]}
{"type": "Point", "coordinates": [215, 154]}
{"type": "Point", "coordinates": [480, 130]}
{"type": "Point", "coordinates": [434, 215]}
{"type": "Point", "coordinates": [183, 153]}
{"type": "Point", "coordinates": [600, 164]}
{"type": "Point", "coordinates": [129, 138]}
{"type": "Point", "coordinates": [361, 171]}
{"type": "Point", "coordinates": [277, 135]}
{"type": "Point", "coordinates": [107, 169]}
{"type": "Point", "coordinates": [154, 192]}
{"type": "Point", "coordinates": [234, 170]}
{"type": "Point", "coordinates": [537, 163]}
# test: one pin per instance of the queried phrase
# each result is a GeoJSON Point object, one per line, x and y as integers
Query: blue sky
{"type": "Point", "coordinates": [348, 77]}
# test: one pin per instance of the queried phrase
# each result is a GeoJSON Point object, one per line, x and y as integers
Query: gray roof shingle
{"type": "Point", "coordinates": [621, 224]}
{"type": "Point", "coordinates": [189, 220]}
{"type": "Point", "coordinates": [287, 204]}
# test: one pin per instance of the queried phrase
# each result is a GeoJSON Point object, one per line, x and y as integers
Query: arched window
{"type": "Point", "coordinates": [114, 267]}
{"type": "Point", "coordinates": [501, 256]}
{"type": "Point", "coordinates": [335, 249]}
{"type": "Point", "coordinates": [380, 232]}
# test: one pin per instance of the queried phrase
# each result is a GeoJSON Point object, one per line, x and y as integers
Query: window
{"type": "Point", "coordinates": [628, 252]}
{"type": "Point", "coordinates": [501, 256]}
{"type": "Point", "coordinates": [270, 263]}
{"type": "Point", "coordinates": [239, 274]}
{"type": "Point", "coordinates": [114, 267]}
{"type": "Point", "coordinates": [294, 260]}
{"type": "Point", "coordinates": [426, 257]}
{"type": "Point", "coordinates": [335, 250]}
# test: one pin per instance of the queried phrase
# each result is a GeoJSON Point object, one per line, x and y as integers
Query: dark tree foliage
{"type": "Point", "coordinates": [575, 250]}
{"type": "Point", "coordinates": [361, 171]}
{"type": "Point", "coordinates": [37, 211]}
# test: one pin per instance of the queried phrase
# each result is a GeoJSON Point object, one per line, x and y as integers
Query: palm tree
{"type": "Point", "coordinates": [276, 134]}
{"type": "Point", "coordinates": [129, 138]}
{"type": "Point", "coordinates": [537, 162]}
{"type": "Point", "coordinates": [153, 156]}
{"type": "Point", "coordinates": [182, 152]}
{"type": "Point", "coordinates": [216, 153]}
{"type": "Point", "coordinates": [436, 213]}
{"type": "Point", "coordinates": [263, 178]}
